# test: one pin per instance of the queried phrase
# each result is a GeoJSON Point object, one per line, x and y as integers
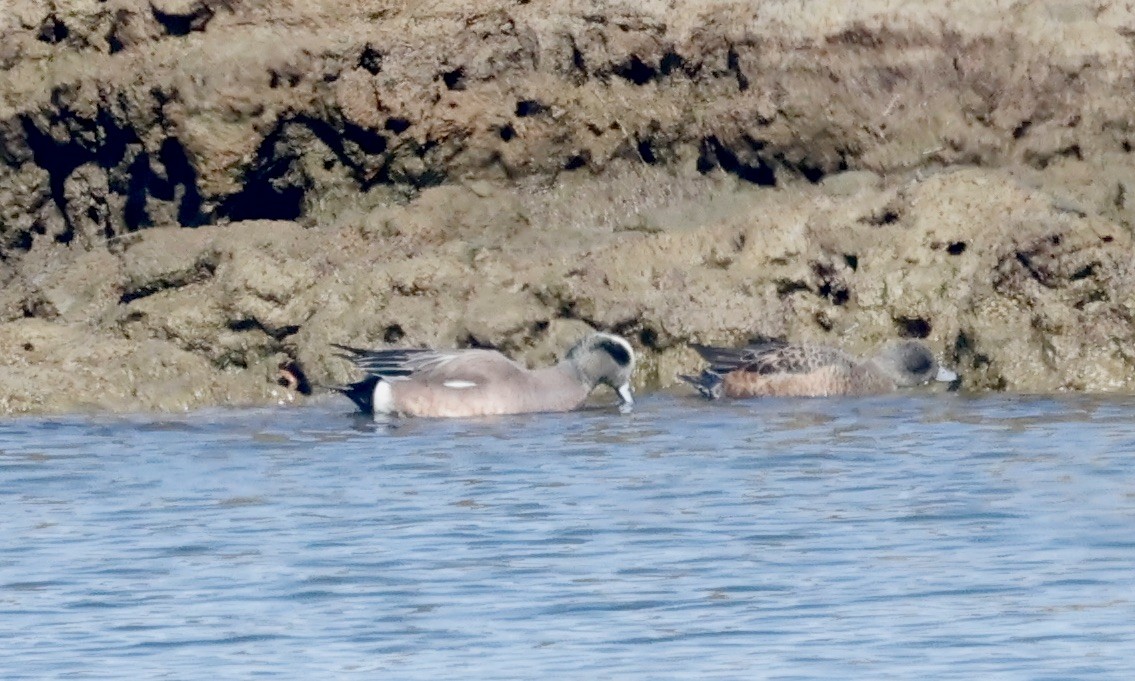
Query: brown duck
{"type": "Point", "coordinates": [778, 368]}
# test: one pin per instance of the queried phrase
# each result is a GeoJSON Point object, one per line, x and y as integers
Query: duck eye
{"type": "Point", "coordinates": [918, 363]}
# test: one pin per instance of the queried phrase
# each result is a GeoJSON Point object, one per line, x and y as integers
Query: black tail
{"type": "Point", "coordinates": [361, 393]}
{"type": "Point", "coordinates": [707, 383]}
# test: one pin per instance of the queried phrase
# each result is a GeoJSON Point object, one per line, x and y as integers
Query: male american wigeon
{"type": "Point", "coordinates": [777, 368]}
{"type": "Point", "coordinates": [457, 383]}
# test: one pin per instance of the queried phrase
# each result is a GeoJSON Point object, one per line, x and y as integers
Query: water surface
{"type": "Point", "coordinates": [904, 537]}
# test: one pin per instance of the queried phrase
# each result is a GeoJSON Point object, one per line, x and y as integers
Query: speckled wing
{"type": "Point", "coordinates": [773, 357]}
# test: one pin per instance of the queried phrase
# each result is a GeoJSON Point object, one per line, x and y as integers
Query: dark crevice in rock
{"type": "Point", "coordinates": [101, 141]}
{"type": "Point", "coordinates": [277, 79]}
{"type": "Point", "coordinates": [20, 242]}
{"type": "Point", "coordinates": [203, 271]}
{"type": "Point", "coordinates": [115, 140]}
{"type": "Point", "coordinates": [59, 159]}
{"type": "Point", "coordinates": [648, 337]}
{"type": "Point", "coordinates": [567, 309]}
{"type": "Point", "coordinates": [646, 152]}
{"type": "Point", "coordinates": [507, 132]}
{"type": "Point", "coordinates": [839, 295]}
{"type": "Point", "coordinates": [636, 71]}
{"type": "Point", "coordinates": [114, 41]}
{"type": "Point", "coordinates": [269, 192]}
{"type": "Point", "coordinates": [370, 60]}
{"type": "Point", "coordinates": [579, 65]}
{"type": "Point", "coordinates": [714, 153]}
{"type": "Point", "coordinates": [284, 331]}
{"type": "Point", "coordinates": [397, 125]}
{"type": "Point", "coordinates": [52, 30]}
{"type": "Point", "coordinates": [639, 72]}
{"type": "Point", "coordinates": [811, 172]}
{"type": "Point", "coordinates": [1084, 272]}
{"type": "Point", "coordinates": [786, 287]}
{"type": "Point", "coordinates": [732, 62]}
{"type": "Point", "coordinates": [888, 216]}
{"type": "Point", "coordinates": [956, 248]}
{"type": "Point", "coordinates": [250, 324]}
{"type": "Point", "coordinates": [966, 353]}
{"type": "Point", "coordinates": [369, 142]}
{"type": "Point", "coordinates": [739, 242]}
{"type": "Point", "coordinates": [860, 36]}
{"type": "Point", "coordinates": [455, 79]}
{"type": "Point", "coordinates": [275, 188]}
{"type": "Point", "coordinates": [1041, 161]}
{"type": "Point", "coordinates": [179, 172]}
{"type": "Point", "coordinates": [913, 327]}
{"type": "Point", "coordinates": [529, 107]}
{"type": "Point", "coordinates": [963, 345]}
{"type": "Point", "coordinates": [576, 161]}
{"type": "Point", "coordinates": [851, 261]}
{"type": "Point", "coordinates": [1095, 296]}
{"type": "Point", "coordinates": [672, 62]}
{"type": "Point", "coordinates": [177, 24]}
{"type": "Point", "coordinates": [1036, 271]}
{"type": "Point", "coordinates": [262, 198]}
{"type": "Point", "coordinates": [706, 161]}
{"type": "Point", "coordinates": [39, 307]}
{"type": "Point", "coordinates": [471, 341]}
{"type": "Point", "coordinates": [393, 334]}
{"type": "Point", "coordinates": [830, 285]}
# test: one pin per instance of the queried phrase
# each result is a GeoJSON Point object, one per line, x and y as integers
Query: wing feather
{"type": "Point", "coordinates": [394, 363]}
{"type": "Point", "coordinates": [427, 366]}
{"type": "Point", "coordinates": [772, 357]}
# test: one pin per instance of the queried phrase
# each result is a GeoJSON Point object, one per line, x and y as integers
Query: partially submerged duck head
{"type": "Point", "coordinates": [607, 359]}
{"type": "Point", "coordinates": [909, 363]}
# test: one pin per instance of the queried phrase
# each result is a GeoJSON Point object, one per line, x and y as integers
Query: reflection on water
{"type": "Point", "coordinates": [933, 536]}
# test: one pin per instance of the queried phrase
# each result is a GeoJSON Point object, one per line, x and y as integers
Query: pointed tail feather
{"type": "Point", "coordinates": [707, 383]}
{"type": "Point", "coordinates": [360, 392]}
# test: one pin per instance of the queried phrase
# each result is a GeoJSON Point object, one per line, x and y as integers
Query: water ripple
{"type": "Point", "coordinates": [944, 537]}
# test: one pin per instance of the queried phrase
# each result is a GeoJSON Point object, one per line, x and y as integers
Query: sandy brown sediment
{"type": "Point", "coordinates": [207, 188]}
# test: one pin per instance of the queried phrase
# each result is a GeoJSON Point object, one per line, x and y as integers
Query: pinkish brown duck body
{"type": "Point", "coordinates": [778, 368]}
{"type": "Point", "coordinates": [474, 382]}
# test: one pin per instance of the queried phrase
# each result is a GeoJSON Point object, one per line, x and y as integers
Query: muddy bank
{"type": "Point", "coordinates": [201, 190]}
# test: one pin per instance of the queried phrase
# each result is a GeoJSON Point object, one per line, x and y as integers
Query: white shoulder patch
{"type": "Point", "coordinates": [382, 402]}
{"type": "Point", "coordinates": [460, 384]}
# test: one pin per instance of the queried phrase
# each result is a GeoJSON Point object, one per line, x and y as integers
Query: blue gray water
{"type": "Point", "coordinates": [938, 537]}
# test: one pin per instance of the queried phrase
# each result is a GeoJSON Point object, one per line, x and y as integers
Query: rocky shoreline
{"type": "Point", "coordinates": [194, 193]}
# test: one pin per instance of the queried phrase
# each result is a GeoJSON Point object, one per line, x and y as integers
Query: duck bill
{"type": "Point", "coordinates": [626, 403]}
{"type": "Point", "coordinates": [945, 375]}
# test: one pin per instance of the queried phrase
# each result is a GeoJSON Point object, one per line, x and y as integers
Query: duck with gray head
{"type": "Point", "coordinates": [475, 382]}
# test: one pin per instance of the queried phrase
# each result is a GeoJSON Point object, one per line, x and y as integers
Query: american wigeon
{"type": "Point", "coordinates": [777, 368]}
{"type": "Point", "coordinates": [457, 383]}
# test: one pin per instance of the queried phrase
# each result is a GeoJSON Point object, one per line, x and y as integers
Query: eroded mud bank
{"type": "Point", "coordinates": [193, 192]}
